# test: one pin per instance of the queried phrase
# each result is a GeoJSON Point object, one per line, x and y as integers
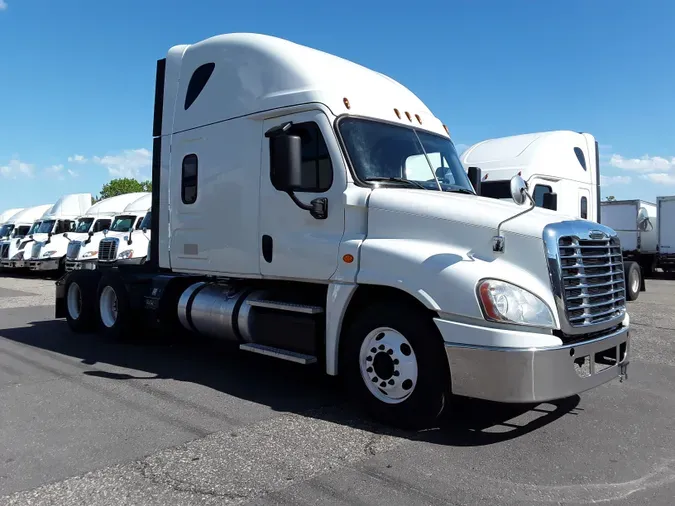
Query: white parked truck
{"type": "Point", "coordinates": [666, 232]}
{"type": "Point", "coordinates": [23, 225]}
{"type": "Point", "coordinates": [59, 219]}
{"type": "Point", "coordinates": [284, 219]}
{"type": "Point", "coordinates": [129, 247]}
{"type": "Point", "coordinates": [86, 254]}
{"type": "Point", "coordinates": [4, 218]}
{"type": "Point", "coordinates": [562, 170]}
{"type": "Point", "coordinates": [98, 217]}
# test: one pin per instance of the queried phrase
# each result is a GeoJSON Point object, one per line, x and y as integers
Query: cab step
{"type": "Point", "coordinates": [270, 351]}
{"type": "Point", "coordinates": [286, 306]}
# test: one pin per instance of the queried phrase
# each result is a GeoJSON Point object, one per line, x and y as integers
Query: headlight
{"type": "Point", "coordinates": [126, 254]}
{"type": "Point", "coordinates": [89, 254]}
{"type": "Point", "coordinates": [507, 303]}
{"type": "Point", "coordinates": [49, 253]}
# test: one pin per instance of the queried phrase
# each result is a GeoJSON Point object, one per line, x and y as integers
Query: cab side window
{"type": "Point", "coordinates": [539, 191]}
{"type": "Point", "coordinates": [316, 162]}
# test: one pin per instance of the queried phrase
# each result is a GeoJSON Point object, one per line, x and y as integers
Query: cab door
{"type": "Point", "coordinates": [293, 243]}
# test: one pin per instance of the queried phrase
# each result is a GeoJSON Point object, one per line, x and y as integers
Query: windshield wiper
{"type": "Point", "coordinates": [460, 190]}
{"type": "Point", "coordinates": [397, 180]}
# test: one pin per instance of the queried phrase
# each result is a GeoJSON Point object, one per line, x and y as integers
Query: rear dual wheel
{"type": "Point", "coordinates": [81, 306]}
{"type": "Point", "coordinates": [114, 307]}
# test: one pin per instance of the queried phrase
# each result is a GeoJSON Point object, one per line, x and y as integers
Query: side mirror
{"type": "Point", "coordinates": [286, 162]}
{"type": "Point", "coordinates": [65, 235]}
{"type": "Point", "coordinates": [550, 201]}
{"type": "Point", "coordinates": [475, 176]}
{"type": "Point", "coordinates": [145, 230]}
{"type": "Point", "coordinates": [518, 190]}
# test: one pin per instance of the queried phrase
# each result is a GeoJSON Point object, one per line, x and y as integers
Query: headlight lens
{"type": "Point", "coordinates": [126, 254]}
{"type": "Point", "coordinates": [89, 254]}
{"type": "Point", "coordinates": [49, 253]}
{"type": "Point", "coordinates": [507, 303]}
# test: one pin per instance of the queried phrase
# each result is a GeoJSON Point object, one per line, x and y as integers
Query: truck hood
{"type": "Point", "coordinates": [466, 210]}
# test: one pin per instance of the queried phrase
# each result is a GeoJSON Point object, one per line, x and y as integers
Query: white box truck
{"type": "Point", "coordinates": [23, 224]}
{"type": "Point", "coordinates": [85, 255]}
{"type": "Point", "coordinates": [562, 169]}
{"type": "Point", "coordinates": [666, 232]}
{"type": "Point", "coordinates": [290, 216]}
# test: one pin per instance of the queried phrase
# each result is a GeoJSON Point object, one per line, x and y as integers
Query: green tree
{"type": "Point", "coordinates": [609, 198]}
{"type": "Point", "coordinates": [121, 186]}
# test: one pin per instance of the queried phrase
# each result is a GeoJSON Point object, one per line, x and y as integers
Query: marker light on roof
{"type": "Point", "coordinates": [398, 114]}
{"type": "Point", "coordinates": [446, 130]}
{"type": "Point", "coordinates": [419, 120]}
{"type": "Point", "coordinates": [407, 114]}
{"type": "Point", "coordinates": [346, 101]}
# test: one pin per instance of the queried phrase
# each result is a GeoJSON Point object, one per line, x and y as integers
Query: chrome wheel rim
{"type": "Point", "coordinates": [108, 306]}
{"type": "Point", "coordinates": [634, 281]}
{"type": "Point", "coordinates": [74, 301]}
{"type": "Point", "coordinates": [388, 365]}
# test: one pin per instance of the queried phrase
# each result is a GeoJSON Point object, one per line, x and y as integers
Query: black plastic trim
{"type": "Point", "coordinates": [598, 197]}
{"type": "Point", "coordinates": [154, 218]}
{"type": "Point", "coordinates": [159, 98]}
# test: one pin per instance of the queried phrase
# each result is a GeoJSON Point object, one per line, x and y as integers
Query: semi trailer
{"type": "Point", "coordinates": [290, 216]}
{"type": "Point", "coordinates": [562, 168]}
{"type": "Point", "coordinates": [23, 225]}
{"type": "Point", "coordinates": [666, 232]}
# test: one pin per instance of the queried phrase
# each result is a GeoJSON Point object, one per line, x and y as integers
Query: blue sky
{"type": "Point", "coordinates": [76, 85]}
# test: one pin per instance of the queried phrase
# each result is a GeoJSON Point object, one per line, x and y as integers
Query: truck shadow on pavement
{"type": "Point", "coordinates": [283, 386]}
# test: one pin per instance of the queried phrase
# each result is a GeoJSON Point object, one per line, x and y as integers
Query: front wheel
{"type": "Point", "coordinates": [394, 362]}
{"type": "Point", "coordinates": [633, 280]}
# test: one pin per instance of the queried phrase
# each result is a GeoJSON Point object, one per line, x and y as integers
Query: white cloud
{"type": "Point", "coordinates": [660, 178]}
{"type": "Point", "coordinates": [76, 158]}
{"type": "Point", "coordinates": [644, 164]}
{"type": "Point", "coordinates": [130, 163]}
{"type": "Point", "coordinates": [16, 167]}
{"type": "Point", "coordinates": [72, 173]}
{"type": "Point", "coordinates": [3, 5]}
{"type": "Point", "coordinates": [611, 180]}
{"type": "Point", "coordinates": [55, 168]}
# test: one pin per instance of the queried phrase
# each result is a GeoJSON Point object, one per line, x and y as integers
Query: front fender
{"type": "Point", "coordinates": [443, 277]}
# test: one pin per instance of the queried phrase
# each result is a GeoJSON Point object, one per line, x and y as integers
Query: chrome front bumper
{"type": "Point", "coordinates": [517, 375]}
{"type": "Point", "coordinates": [76, 265]}
{"type": "Point", "coordinates": [13, 264]}
{"type": "Point", "coordinates": [44, 265]}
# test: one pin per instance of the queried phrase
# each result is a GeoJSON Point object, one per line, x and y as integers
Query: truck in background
{"type": "Point", "coordinates": [58, 219]}
{"type": "Point", "coordinates": [85, 255]}
{"type": "Point", "coordinates": [24, 224]}
{"type": "Point", "coordinates": [290, 216]}
{"type": "Point", "coordinates": [562, 169]}
{"type": "Point", "coordinates": [666, 232]}
{"type": "Point", "coordinates": [129, 247]}
{"type": "Point", "coordinates": [96, 218]}
{"type": "Point", "coordinates": [5, 216]}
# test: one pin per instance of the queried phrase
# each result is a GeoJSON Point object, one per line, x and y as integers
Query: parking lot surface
{"type": "Point", "coordinates": [88, 421]}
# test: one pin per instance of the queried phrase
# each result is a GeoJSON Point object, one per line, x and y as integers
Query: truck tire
{"type": "Point", "coordinates": [114, 308]}
{"type": "Point", "coordinates": [633, 280]}
{"type": "Point", "coordinates": [394, 363]}
{"type": "Point", "coordinates": [81, 307]}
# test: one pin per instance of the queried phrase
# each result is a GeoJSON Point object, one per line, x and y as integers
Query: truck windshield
{"type": "Point", "coordinates": [21, 231]}
{"type": "Point", "coordinates": [34, 227]}
{"type": "Point", "coordinates": [83, 225]}
{"type": "Point", "coordinates": [123, 223]}
{"type": "Point", "coordinates": [402, 156]}
{"type": "Point", "coordinates": [146, 221]}
{"type": "Point", "coordinates": [45, 227]}
{"type": "Point", "coordinates": [5, 230]}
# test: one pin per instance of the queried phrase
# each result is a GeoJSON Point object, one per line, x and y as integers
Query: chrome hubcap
{"type": "Point", "coordinates": [388, 365]}
{"type": "Point", "coordinates": [635, 281]}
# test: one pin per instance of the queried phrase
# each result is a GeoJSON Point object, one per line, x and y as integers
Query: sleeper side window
{"type": "Point", "coordinates": [316, 163]}
{"type": "Point", "coordinates": [189, 179]}
{"type": "Point", "coordinates": [580, 157]}
{"type": "Point", "coordinates": [584, 207]}
{"type": "Point", "coordinates": [197, 82]}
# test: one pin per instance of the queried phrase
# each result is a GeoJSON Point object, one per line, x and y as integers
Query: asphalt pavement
{"type": "Point", "coordinates": [93, 422]}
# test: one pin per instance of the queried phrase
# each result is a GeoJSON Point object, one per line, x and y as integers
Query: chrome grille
{"type": "Point", "coordinates": [4, 250]}
{"type": "Point", "coordinates": [35, 250]}
{"type": "Point", "coordinates": [73, 250]}
{"type": "Point", "coordinates": [592, 280]}
{"type": "Point", "coordinates": [107, 250]}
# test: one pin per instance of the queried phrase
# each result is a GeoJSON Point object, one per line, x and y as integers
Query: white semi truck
{"type": "Point", "coordinates": [284, 219]}
{"type": "Point", "coordinates": [56, 221]}
{"type": "Point", "coordinates": [666, 232]}
{"type": "Point", "coordinates": [5, 216]}
{"type": "Point", "coordinates": [562, 169]}
{"type": "Point", "coordinates": [129, 247]}
{"type": "Point", "coordinates": [24, 224]}
{"type": "Point", "coordinates": [97, 217]}
{"type": "Point", "coordinates": [85, 254]}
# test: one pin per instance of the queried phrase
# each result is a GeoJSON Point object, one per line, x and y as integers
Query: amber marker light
{"type": "Point", "coordinates": [348, 258]}
{"type": "Point", "coordinates": [398, 114]}
{"type": "Point", "coordinates": [346, 101]}
{"type": "Point", "coordinates": [407, 114]}
{"type": "Point", "coordinates": [419, 120]}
